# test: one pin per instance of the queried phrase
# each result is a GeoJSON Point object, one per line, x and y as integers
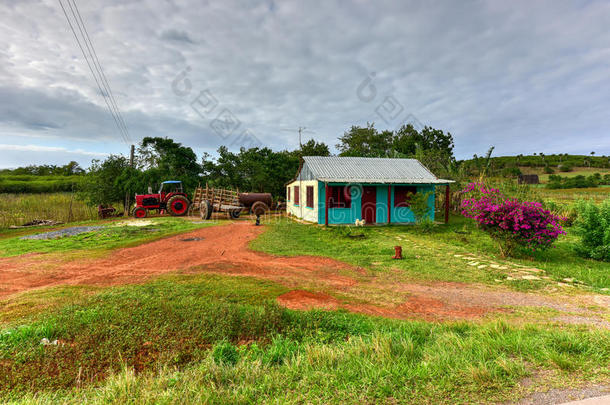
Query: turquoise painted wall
{"type": "Point", "coordinates": [404, 214]}
{"type": "Point", "coordinates": [349, 215]}
{"type": "Point", "coordinates": [339, 215]}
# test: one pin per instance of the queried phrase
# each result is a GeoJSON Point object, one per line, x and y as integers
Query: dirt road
{"type": "Point", "coordinates": [224, 250]}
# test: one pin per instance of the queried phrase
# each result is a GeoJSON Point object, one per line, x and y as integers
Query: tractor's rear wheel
{"type": "Point", "coordinates": [205, 210]}
{"type": "Point", "coordinates": [259, 208]}
{"type": "Point", "coordinates": [140, 212]}
{"type": "Point", "coordinates": [178, 205]}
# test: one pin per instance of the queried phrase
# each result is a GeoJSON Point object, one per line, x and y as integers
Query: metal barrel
{"type": "Point", "coordinates": [247, 199]}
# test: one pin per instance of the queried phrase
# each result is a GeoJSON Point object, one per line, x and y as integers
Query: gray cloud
{"type": "Point", "coordinates": [521, 76]}
{"type": "Point", "coordinates": [175, 35]}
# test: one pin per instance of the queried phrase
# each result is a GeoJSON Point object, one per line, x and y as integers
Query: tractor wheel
{"type": "Point", "coordinates": [234, 214]}
{"type": "Point", "coordinates": [259, 208]}
{"type": "Point", "coordinates": [205, 210]}
{"type": "Point", "coordinates": [178, 205]}
{"type": "Point", "coordinates": [140, 212]}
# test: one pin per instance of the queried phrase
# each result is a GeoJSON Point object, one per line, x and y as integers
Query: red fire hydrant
{"type": "Point", "coordinates": [398, 252]}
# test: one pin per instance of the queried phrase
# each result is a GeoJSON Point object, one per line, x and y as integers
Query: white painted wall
{"type": "Point", "coordinates": [301, 211]}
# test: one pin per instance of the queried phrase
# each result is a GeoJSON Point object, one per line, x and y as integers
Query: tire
{"type": "Point", "coordinates": [178, 206]}
{"type": "Point", "coordinates": [140, 212]}
{"type": "Point", "coordinates": [205, 210]}
{"type": "Point", "coordinates": [234, 214]}
{"type": "Point", "coordinates": [259, 208]}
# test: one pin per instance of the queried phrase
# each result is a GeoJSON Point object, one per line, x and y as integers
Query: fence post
{"type": "Point", "coordinates": [447, 198]}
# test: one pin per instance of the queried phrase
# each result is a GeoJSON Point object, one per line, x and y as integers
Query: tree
{"type": "Point", "coordinates": [163, 159]}
{"type": "Point", "coordinates": [104, 183]}
{"type": "Point", "coordinates": [519, 156]}
{"type": "Point", "coordinates": [433, 147]}
{"type": "Point", "coordinates": [313, 148]}
{"type": "Point", "coordinates": [254, 169]}
{"type": "Point", "coordinates": [72, 168]}
{"type": "Point", "coordinates": [365, 141]}
{"type": "Point", "coordinates": [407, 139]}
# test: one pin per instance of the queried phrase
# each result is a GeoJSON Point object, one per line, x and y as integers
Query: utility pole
{"type": "Point", "coordinates": [127, 195]}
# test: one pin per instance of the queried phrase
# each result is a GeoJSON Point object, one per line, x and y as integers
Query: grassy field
{"type": "Point", "coordinates": [200, 338]}
{"type": "Point", "coordinates": [211, 339]}
{"type": "Point", "coordinates": [571, 195]}
{"type": "Point", "coordinates": [17, 209]}
{"type": "Point", "coordinates": [576, 171]}
{"type": "Point", "coordinates": [26, 183]}
{"type": "Point", "coordinates": [431, 256]}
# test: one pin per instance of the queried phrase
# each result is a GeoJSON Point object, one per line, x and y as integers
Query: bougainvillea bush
{"type": "Point", "coordinates": [512, 223]}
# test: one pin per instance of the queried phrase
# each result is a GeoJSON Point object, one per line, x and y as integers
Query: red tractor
{"type": "Point", "coordinates": [170, 198]}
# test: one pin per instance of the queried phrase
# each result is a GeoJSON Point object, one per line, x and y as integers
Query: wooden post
{"type": "Point", "coordinates": [326, 199]}
{"type": "Point", "coordinates": [389, 204]}
{"type": "Point", "coordinates": [127, 195]}
{"type": "Point", "coordinates": [71, 198]}
{"type": "Point", "coordinates": [447, 199]}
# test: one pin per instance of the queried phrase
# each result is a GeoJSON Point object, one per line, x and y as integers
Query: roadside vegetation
{"type": "Point", "coordinates": [18, 209]}
{"type": "Point", "coordinates": [38, 184]}
{"type": "Point", "coordinates": [217, 339]}
{"type": "Point", "coordinates": [41, 179]}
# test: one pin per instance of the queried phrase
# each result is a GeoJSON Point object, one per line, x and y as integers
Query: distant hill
{"type": "Point", "coordinates": [554, 161]}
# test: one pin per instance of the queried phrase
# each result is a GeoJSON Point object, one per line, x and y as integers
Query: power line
{"type": "Point", "coordinates": [105, 94]}
{"type": "Point", "coordinates": [96, 62]}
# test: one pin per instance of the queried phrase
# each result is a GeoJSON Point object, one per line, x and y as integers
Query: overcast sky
{"type": "Point", "coordinates": [525, 76]}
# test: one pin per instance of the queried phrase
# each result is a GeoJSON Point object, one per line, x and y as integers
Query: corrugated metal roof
{"type": "Point", "coordinates": [370, 170]}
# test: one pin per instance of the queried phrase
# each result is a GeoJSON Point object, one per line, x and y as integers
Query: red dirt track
{"type": "Point", "coordinates": [224, 250]}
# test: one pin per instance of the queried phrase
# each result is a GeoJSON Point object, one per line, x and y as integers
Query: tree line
{"type": "Point", "coordinates": [254, 169]}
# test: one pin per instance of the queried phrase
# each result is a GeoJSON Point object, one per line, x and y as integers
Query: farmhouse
{"type": "Point", "coordinates": [341, 190]}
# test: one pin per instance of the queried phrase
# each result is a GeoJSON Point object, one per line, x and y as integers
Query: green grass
{"type": "Point", "coordinates": [27, 183]}
{"type": "Point", "coordinates": [571, 195]}
{"type": "Point", "coordinates": [429, 256]}
{"type": "Point", "coordinates": [17, 209]}
{"type": "Point", "coordinates": [213, 339]}
{"type": "Point", "coordinates": [112, 236]}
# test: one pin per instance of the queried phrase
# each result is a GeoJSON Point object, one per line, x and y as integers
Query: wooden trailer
{"type": "Point", "coordinates": [208, 200]}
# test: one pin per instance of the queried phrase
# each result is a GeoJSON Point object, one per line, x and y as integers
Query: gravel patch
{"type": "Point", "coordinates": [561, 396]}
{"type": "Point", "coordinates": [75, 230]}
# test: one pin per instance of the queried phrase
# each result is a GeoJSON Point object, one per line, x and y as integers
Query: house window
{"type": "Point", "coordinates": [296, 195]}
{"type": "Point", "coordinates": [339, 197]}
{"type": "Point", "coordinates": [288, 196]}
{"type": "Point", "coordinates": [309, 202]}
{"type": "Point", "coordinates": [403, 194]}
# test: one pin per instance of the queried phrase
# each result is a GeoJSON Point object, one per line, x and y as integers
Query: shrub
{"type": "Point", "coordinates": [568, 212]}
{"type": "Point", "coordinates": [579, 181]}
{"type": "Point", "coordinates": [280, 350]}
{"type": "Point", "coordinates": [566, 167]}
{"type": "Point", "coordinates": [593, 227]}
{"type": "Point", "coordinates": [510, 172]}
{"type": "Point", "coordinates": [225, 353]}
{"type": "Point", "coordinates": [548, 170]}
{"type": "Point", "coordinates": [418, 203]}
{"type": "Point", "coordinates": [510, 222]}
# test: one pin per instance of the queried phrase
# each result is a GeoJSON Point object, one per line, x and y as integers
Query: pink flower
{"type": "Point", "coordinates": [525, 223]}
